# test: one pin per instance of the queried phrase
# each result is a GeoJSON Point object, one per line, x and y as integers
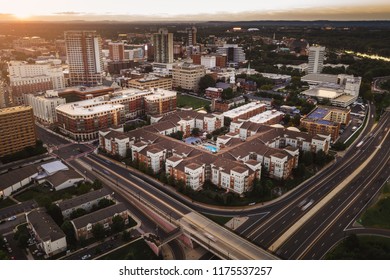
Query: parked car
{"type": "Point", "coordinates": [11, 218]}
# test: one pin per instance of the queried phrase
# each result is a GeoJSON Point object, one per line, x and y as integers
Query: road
{"type": "Point", "coordinates": [266, 224]}
{"type": "Point", "coordinates": [336, 219]}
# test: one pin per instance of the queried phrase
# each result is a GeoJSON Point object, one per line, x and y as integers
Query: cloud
{"type": "Point", "coordinates": [68, 13]}
{"type": "Point", "coordinates": [325, 13]}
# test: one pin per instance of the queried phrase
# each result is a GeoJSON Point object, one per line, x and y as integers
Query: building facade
{"type": "Point", "coordinates": [48, 235]}
{"type": "Point", "coordinates": [163, 46]}
{"type": "Point", "coordinates": [187, 76]}
{"type": "Point", "coordinates": [116, 51]}
{"type": "Point", "coordinates": [234, 53]}
{"type": "Point", "coordinates": [83, 225]}
{"type": "Point", "coordinates": [44, 105]}
{"type": "Point", "coordinates": [151, 82]}
{"type": "Point", "coordinates": [32, 78]}
{"type": "Point", "coordinates": [160, 102]}
{"type": "Point", "coordinates": [85, 58]}
{"type": "Point", "coordinates": [17, 129]}
{"type": "Point", "coordinates": [191, 36]}
{"type": "Point", "coordinates": [316, 59]}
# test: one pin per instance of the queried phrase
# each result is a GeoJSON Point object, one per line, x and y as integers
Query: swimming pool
{"type": "Point", "coordinates": [211, 148]}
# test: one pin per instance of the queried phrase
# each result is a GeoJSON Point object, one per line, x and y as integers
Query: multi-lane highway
{"type": "Point", "coordinates": [283, 226]}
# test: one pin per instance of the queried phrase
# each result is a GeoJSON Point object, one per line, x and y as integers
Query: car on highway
{"type": "Point", "coordinates": [86, 257]}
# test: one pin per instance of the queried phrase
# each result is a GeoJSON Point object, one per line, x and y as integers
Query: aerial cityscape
{"type": "Point", "coordinates": [257, 131]}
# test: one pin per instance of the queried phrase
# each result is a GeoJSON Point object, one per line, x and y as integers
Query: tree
{"type": "Point", "coordinates": [177, 135]}
{"type": "Point", "coordinates": [118, 224]}
{"type": "Point", "coordinates": [227, 94]}
{"type": "Point", "coordinates": [307, 158]}
{"type": "Point", "coordinates": [320, 158]}
{"type": "Point", "coordinates": [3, 255]}
{"type": "Point", "coordinates": [126, 236]}
{"type": "Point", "coordinates": [205, 82]}
{"type": "Point", "coordinates": [207, 108]}
{"type": "Point", "coordinates": [98, 231]}
{"type": "Point", "coordinates": [77, 213]}
{"type": "Point", "coordinates": [195, 131]}
{"type": "Point", "coordinates": [55, 212]}
{"type": "Point", "coordinates": [171, 181]}
{"type": "Point", "coordinates": [97, 184]}
{"type": "Point", "coordinates": [104, 202]}
{"type": "Point", "coordinates": [68, 229]}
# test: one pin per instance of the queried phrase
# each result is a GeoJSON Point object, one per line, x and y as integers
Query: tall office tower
{"type": "Point", "coordinates": [316, 59]}
{"type": "Point", "coordinates": [17, 129]}
{"type": "Point", "coordinates": [163, 46]}
{"type": "Point", "coordinates": [191, 36]}
{"type": "Point", "coordinates": [116, 51]}
{"type": "Point", "coordinates": [233, 52]}
{"type": "Point", "coordinates": [85, 58]}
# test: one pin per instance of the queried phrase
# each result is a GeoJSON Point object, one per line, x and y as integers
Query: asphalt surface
{"type": "Point", "coordinates": [267, 223]}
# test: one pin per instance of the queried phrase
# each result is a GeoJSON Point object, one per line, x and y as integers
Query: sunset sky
{"type": "Point", "coordinates": [194, 10]}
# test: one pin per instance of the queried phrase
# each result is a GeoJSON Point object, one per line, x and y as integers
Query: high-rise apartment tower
{"type": "Point", "coordinates": [316, 59]}
{"type": "Point", "coordinates": [85, 58]}
{"type": "Point", "coordinates": [163, 46]}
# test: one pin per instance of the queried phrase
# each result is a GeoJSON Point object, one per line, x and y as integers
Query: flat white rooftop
{"type": "Point", "coordinates": [243, 109]}
{"type": "Point", "coordinates": [323, 92]}
{"type": "Point", "coordinates": [266, 116]}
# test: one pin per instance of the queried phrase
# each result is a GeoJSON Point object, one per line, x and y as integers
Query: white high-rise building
{"type": "Point", "coordinates": [85, 58]}
{"type": "Point", "coordinates": [163, 46]}
{"type": "Point", "coordinates": [208, 61]}
{"type": "Point", "coordinates": [316, 59]}
{"type": "Point", "coordinates": [44, 105]}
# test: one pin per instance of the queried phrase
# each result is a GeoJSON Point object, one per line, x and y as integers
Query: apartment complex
{"type": "Point", "coordinates": [83, 225]}
{"type": "Point", "coordinates": [187, 76]}
{"type": "Point", "coordinates": [163, 46]}
{"type": "Point", "coordinates": [245, 111]}
{"type": "Point", "coordinates": [17, 129]}
{"type": "Point", "coordinates": [268, 117]}
{"type": "Point", "coordinates": [82, 120]}
{"type": "Point", "coordinates": [48, 235]}
{"type": "Point", "coordinates": [151, 81]}
{"type": "Point", "coordinates": [316, 59]}
{"type": "Point", "coordinates": [116, 51]}
{"type": "Point", "coordinates": [213, 93]}
{"type": "Point", "coordinates": [244, 153]}
{"type": "Point", "coordinates": [326, 120]}
{"type": "Point", "coordinates": [32, 78]}
{"type": "Point", "coordinates": [191, 36]}
{"type": "Point", "coordinates": [85, 58]}
{"type": "Point", "coordinates": [160, 102]}
{"type": "Point", "coordinates": [85, 201]}
{"type": "Point", "coordinates": [44, 105]}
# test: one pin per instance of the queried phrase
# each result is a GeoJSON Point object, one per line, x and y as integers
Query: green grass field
{"type": "Point", "coordinates": [186, 100]}
{"type": "Point", "coordinates": [6, 202]}
{"type": "Point", "coordinates": [361, 248]}
{"type": "Point", "coordinates": [138, 250]}
{"type": "Point", "coordinates": [377, 215]}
